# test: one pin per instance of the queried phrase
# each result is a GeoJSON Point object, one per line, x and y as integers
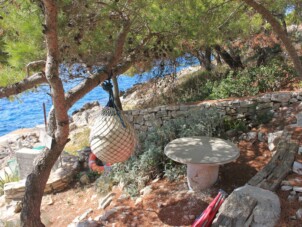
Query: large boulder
{"type": "Point", "coordinates": [249, 206]}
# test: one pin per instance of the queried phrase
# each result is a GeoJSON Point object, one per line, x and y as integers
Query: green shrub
{"type": "Point", "coordinates": [239, 125]}
{"type": "Point", "coordinates": [251, 81]}
{"type": "Point", "coordinates": [8, 178]}
{"type": "Point", "coordinates": [150, 161]}
{"type": "Point", "coordinates": [263, 117]}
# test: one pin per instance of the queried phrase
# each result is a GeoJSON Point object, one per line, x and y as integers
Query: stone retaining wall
{"type": "Point", "coordinates": [144, 120]}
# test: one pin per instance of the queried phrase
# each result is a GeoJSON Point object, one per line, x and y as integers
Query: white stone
{"type": "Point", "coordinates": [297, 189]}
{"type": "Point", "coordinates": [138, 201]}
{"type": "Point", "coordinates": [146, 190]}
{"type": "Point", "coordinates": [273, 140]}
{"type": "Point", "coordinates": [297, 168]}
{"type": "Point", "coordinates": [83, 216]}
{"type": "Point", "coordinates": [47, 200]}
{"type": "Point", "coordinates": [104, 202]}
{"type": "Point", "coordinates": [286, 188]}
{"type": "Point", "coordinates": [300, 151]}
{"type": "Point", "coordinates": [299, 119]}
{"type": "Point", "coordinates": [285, 182]}
{"type": "Point", "coordinates": [251, 136]}
{"type": "Point", "coordinates": [261, 137]}
{"type": "Point", "coordinates": [299, 214]}
{"type": "Point", "coordinates": [300, 198]}
{"type": "Point", "coordinates": [123, 197]}
{"type": "Point", "coordinates": [291, 197]}
{"type": "Point", "coordinates": [107, 214]}
{"type": "Point", "coordinates": [155, 180]}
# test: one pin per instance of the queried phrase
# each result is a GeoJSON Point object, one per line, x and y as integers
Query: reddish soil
{"type": "Point", "coordinates": [170, 203]}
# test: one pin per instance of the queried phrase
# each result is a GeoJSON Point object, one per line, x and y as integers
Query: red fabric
{"type": "Point", "coordinates": [208, 215]}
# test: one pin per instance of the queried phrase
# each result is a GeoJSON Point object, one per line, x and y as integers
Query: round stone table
{"type": "Point", "coordinates": [203, 155]}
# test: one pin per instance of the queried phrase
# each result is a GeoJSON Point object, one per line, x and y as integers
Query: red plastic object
{"type": "Point", "coordinates": [208, 215]}
{"type": "Point", "coordinates": [93, 166]}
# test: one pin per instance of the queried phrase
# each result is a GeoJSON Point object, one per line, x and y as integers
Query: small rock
{"type": "Point", "coordinates": [261, 136]}
{"type": "Point", "coordinates": [186, 218]}
{"type": "Point", "coordinates": [297, 168]}
{"type": "Point", "coordinates": [123, 197]}
{"type": "Point", "coordinates": [86, 223]}
{"type": "Point", "coordinates": [138, 201]}
{"type": "Point", "coordinates": [300, 198]}
{"type": "Point", "coordinates": [251, 136]}
{"type": "Point", "coordinates": [291, 197]}
{"type": "Point", "coordinates": [299, 214]}
{"type": "Point", "coordinates": [191, 217]}
{"type": "Point", "coordinates": [115, 188]}
{"type": "Point", "coordinates": [297, 189]}
{"type": "Point", "coordinates": [82, 216]}
{"type": "Point", "coordinates": [84, 179]}
{"type": "Point", "coordinates": [273, 139]}
{"type": "Point", "coordinates": [285, 182]}
{"type": "Point", "coordinates": [293, 193]}
{"type": "Point", "coordinates": [160, 205]}
{"type": "Point", "coordinates": [93, 197]}
{"type": "Point", "coordinates": [286, 188]}
{"type": "Point", "coordinates": [107, 214]}
{"type": "Point", "coordinates": [48, 200]}
{"type": "Point", "coordinates": [18, 207]}
{"type": "Point", "coordinates": [300, 151]}
{"type": "Point", "coordinates": [146, 190]}
{"type": "Point", "coordinates": [155, 180]}
{"type": "Point", "coordinates": [293, 217]}
{"type": "Point", "coordinates": [104, 202]}
{"type": "Point", "coordinates": [231, 133]}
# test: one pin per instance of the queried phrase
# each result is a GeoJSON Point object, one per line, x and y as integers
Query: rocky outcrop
{"type": "Point", "coordinates": [57, 181]}
{"type": "Point", "coordinates": [249, 206]}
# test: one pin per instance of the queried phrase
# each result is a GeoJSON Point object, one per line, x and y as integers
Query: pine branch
{"type": "Point", "coordinates": [27, 83]}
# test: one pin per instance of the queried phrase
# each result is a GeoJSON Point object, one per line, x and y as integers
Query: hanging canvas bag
{"type": "Point", "coordinates": [112, 137]}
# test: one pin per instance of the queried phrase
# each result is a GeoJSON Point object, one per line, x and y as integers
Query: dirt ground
{"type": "Point", "coordinates": [170, 203]}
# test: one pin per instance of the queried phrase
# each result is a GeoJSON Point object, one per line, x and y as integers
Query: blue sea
{"type": "Point", "coordinates": [26, 110]}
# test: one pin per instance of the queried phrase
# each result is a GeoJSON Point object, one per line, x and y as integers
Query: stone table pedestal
{"type": "Point", "coordinates": [202, 155]}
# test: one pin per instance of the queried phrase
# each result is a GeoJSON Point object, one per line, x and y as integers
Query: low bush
{"type": "Point", "coordinates": [150, 161]}
{"type": "Point", "coordinates": [6, 179]}
{"type": "Point", "coordinates": [222, 82]}
{"type": "Point", "coordinates": [251, 81]}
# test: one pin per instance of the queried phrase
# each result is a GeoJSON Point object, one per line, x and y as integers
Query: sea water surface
{"type": "Point", "coordinates": [26, 110]}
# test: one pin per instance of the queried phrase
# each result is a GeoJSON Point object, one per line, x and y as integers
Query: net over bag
{"type": "Point", "coordinates": [112, 137]}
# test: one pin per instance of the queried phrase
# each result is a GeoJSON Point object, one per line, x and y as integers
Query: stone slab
{"type": "Point", "coordinates": [202, 150]}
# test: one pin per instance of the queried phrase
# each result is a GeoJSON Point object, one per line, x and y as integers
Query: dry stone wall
{"type": "Point", "coordinates": [144, 120]}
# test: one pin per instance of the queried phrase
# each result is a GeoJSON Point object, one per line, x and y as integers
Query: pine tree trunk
{"type": "Point", "coordinates": [208, 54]}
{"type": "Point", "coordinates": [58, 125]}
{"type": "Point", "coordinates": [233, 63]}
{"type": "Point", "coordinates": [278, 29]}
{"type": "Point", "coordinates": [218, 59]}
{"type": "Point", "coordinates": [205, 58]}
{"type": "Point", "coordinates": [35, 185]}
